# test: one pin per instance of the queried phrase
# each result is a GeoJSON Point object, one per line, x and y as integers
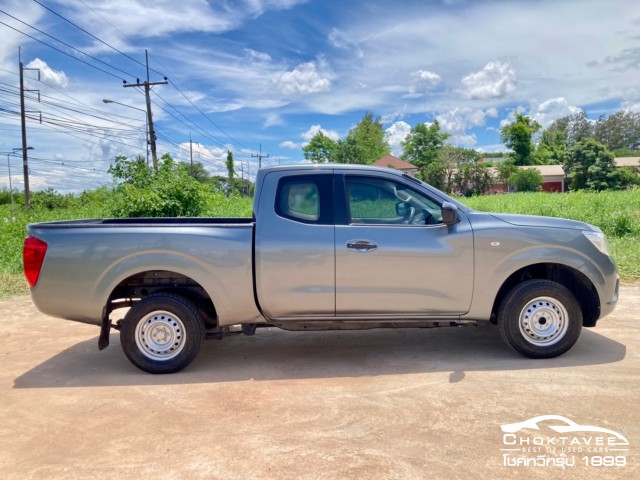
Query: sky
{"type": "Point", "coordinates": [251, 76]}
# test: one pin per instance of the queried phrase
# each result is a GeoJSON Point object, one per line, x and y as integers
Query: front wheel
{"type": "Point", "coordinates": [540, 319]}
{"type": "Point", "coordinates": [162, 333]}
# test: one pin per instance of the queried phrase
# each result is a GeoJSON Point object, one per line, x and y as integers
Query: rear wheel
{"type": "Point", "coordinates": [540, 319]}
{"type": "Point", "coordinates": [162, 333]}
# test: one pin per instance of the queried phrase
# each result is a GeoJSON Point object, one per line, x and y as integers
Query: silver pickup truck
{"type": "Point", "coordinates": [328, 247]}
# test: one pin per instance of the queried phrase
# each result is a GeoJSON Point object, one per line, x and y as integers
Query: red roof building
{"type": "Point", "coordinates": [389, 161]}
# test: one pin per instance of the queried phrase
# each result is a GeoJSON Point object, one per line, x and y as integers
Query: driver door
{"type": "Point", "coordinates": [394, 256]}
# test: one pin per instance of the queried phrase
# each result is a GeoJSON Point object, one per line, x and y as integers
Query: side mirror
{"type": "Point", "coordinates": [449, 213]}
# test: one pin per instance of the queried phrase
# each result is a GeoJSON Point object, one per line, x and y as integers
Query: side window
{"type": "Point", "coordinates": [305, 198]}
{"type": "Point", "coordinates": [379, 201]}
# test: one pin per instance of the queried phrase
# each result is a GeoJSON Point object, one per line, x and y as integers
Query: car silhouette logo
{"type": "Point", "coordinates": [565, 426]}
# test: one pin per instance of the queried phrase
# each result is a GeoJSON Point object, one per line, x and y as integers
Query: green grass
{"type": "Point", "coordinates": [616, 213]}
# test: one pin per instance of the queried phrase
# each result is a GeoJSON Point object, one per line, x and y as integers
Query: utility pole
{"type": "Point", "coordinates": [23, 118]}
{"type": "Point", "coordinates": [190, 155]}
{"type": "Point", "coordinates": [260, 156]}
{"type": "Point", "coordinates": [147, 88]}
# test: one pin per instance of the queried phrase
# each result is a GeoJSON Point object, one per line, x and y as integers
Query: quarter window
{"type": "Point", "coordinates": [305, 198]}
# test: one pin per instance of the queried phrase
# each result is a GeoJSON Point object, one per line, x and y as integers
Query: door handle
{"type": "Point", "coordinates": [362, 245]}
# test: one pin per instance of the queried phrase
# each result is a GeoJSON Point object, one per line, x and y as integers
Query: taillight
{"type": "Point", "coordinates": [33, 255]}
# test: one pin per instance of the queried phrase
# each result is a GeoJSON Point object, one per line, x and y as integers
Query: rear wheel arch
{"type": "Point", "coordinates": [141, 285]}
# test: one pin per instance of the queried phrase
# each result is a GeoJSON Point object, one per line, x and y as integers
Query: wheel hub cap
{"type": "Point", "coordinates": [543, 321]}
{"type": "Point", "coordinates": [160, 335]}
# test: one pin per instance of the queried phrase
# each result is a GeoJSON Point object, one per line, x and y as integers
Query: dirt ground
{"type": "Point", "coordinates": [376, 404]}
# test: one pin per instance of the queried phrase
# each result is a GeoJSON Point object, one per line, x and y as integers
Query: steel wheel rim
{"type": "Point", "coordinates": [543, 321]}
{"type": "Point", "coordinates": [160, 335]}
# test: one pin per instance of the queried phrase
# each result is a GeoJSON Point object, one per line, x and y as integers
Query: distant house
{"type": "Point", "coordinates": [627, 161]}
{"type": "Point", "coordinates": [552, 177]}
{"type": "Point", "coordinates": [389, 161]}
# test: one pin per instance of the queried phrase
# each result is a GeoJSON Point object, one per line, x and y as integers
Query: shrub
{"type": "Point", "coordinates": [171, 192]}
{"type": "Point", "coordinates": [526, 180]}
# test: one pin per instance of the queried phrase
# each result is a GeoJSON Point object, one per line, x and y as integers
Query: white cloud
{"type": "Point", "coordinates": [290, 144]}
{"type": "Point", "coordinates": [634, 107]}
{"type": "Point", "coordinates": [463, 140]}
{"type": "Point", "coordinates": [496, 80]}
{"type": "Point", "coordinates": [304, 79]}
{"type": "Point", "coordinates": [458, 120]}
{"type": "Point", "coordinates": [340, 39]}
{"type": "Point", "coordinates": [313, 131]}
{"type": "Point", "coordinates": [272, 120]}
{"type": "Point", "coordinates": [257, 56]}
{"type": "Point", "coordinates": [512, 116]}
{"type": "Point", "coordinates": [552, 109]}
{"type": "Point", "coordinates": [308, 135]}
{"type": "Point", "coordinates": [395, 135]}
{"type": "Point", "coordinates": [423, 80]}
{"type": "Point", "coordinates": [49, 76]}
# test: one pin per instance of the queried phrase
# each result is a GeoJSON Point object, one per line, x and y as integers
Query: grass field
{"type": "Point", "coordinates": [616, 213]}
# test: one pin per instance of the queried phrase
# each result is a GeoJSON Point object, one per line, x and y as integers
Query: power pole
{"type": "Point", "coordinates": [23, 118]}
{"type": "Point", "coordinates": [147, 88]}
{"type": "Point", "coordinates": [190, 156]}
{"type": "Point", "coordinates": [260, 156]}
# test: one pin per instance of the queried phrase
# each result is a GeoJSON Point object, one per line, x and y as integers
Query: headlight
{"type": "Point", "coordinates": [599, 240]}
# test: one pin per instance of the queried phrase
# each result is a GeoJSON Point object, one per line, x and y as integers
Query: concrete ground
{"type": "Point", "coordinates": [374, 404]}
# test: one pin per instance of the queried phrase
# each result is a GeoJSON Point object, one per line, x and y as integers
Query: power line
{"type": "Point", "coordinates": [205, 116]}
{"type": "Point", "coordinates": [93, 36]}
{"type": "Point", "coordinates": [67, 45]}
{"type": "Point", "coordinates": [61, 51]}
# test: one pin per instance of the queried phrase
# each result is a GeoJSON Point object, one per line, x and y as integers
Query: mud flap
{"type": "Point", "coordinates": [105, 330]}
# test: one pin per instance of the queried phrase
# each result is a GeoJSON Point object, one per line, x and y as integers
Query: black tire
{"type": "Point", "coordinates": [540, 319]}
{"type": "Point", "coordinates": [163, 333]}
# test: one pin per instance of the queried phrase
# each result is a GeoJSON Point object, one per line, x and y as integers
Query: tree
{"type": "Point", "coordinates": [197, 171]}
{"type": "Point", "coordinates": [448, 162]}
{"type": "Point", "coordinates": [473, 179]}
{"type": "Point", "coordinates": [619, 131]}
{"type": "Point", "coordinates": [526, 180]}
{"type": "Point", "coordinates": [552, 148]}
{"type": "Point", "coordinates": [505, 170]}
{"type": "Point", "coordinates": [422, 145]}
{"type": "Point", "coordinates": [365, 142]}
{"type": "Point", "coordinates": [590, 166]}
{"type": "Point", "coordinates": [321, 149]}
{"type": "Point", "coordinates": [229, 164]}
{"type": "Point", "coordinates": [517, 136]}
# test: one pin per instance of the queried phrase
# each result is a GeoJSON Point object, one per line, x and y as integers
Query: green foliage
{"type": "Point", "coordinates": [364, 144]}
{"type": "Point", "coordinates": [620, 130]}
{"type": "Point", "coordinates": [321, 149]}
{"type": "Point", "coordinates": [505, 171]}
{"type": "Point", "coordinates": [229, 163]}
{"type": "Point", "coordinates": [473, 179]}
{"type": "Point", "coordinates": [590, 166]}
{"type": "Point", "coordinates": [526, 180]}
{"type": "Point", "coordinates": [552, 148]}
{"type": "Point", "coordinates": [196, 171]}
{"type": "Point", "coordinates": [517, 136]}
{"type": "Point", "coordinates": [422, 145]}
{"type": "Point", "coordinates": [49, 199]}
{"type": "Point", "coordinates": [171, 192]}
{"type": "Point", "coordinates": [450, 160]}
